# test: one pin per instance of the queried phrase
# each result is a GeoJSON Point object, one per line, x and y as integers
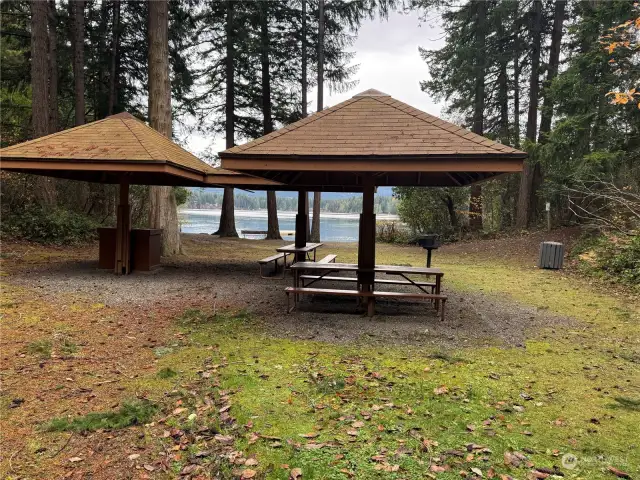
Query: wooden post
{"type": "Point", "coordinates": [302, 223]}
{"type": "Point", "coordinates": [367, 241]}
{"type": "Point", "coordinates": [123, 231]}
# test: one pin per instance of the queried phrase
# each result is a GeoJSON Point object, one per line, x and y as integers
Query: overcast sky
{"type": "Point", "coordinates": [387, 53]}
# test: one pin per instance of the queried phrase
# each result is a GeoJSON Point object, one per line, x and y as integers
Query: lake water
{"type": "Point", "coordinates": [334, 227]}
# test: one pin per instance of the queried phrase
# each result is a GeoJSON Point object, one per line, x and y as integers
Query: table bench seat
{"type": "Point", "coordinates": [328, 259]}
{"type": "Point", "coordinates": [377, 280]}
{"type": "Point", "coordinates": [274, 259]}
{"type": "Point", "coordinates": [355, 293]}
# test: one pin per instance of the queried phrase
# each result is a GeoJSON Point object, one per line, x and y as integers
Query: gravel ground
{"type": "Point", "coordinates": [471, 318]}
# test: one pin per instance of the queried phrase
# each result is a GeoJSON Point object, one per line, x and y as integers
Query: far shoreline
{"type": "Point", "coordinates": [263, 212]}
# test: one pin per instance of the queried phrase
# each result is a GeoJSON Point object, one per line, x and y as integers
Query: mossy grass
{"type": "Point", "coordinates": [167, 372]}
{"type": "Point", "coordinates": [134, 412]}
{"type": "Point", "coordinates": [542, 399]}
{"type": "Point", "coordinates": [40, 348]}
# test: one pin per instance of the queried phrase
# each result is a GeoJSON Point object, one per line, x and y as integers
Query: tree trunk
{"type": "Point", "coordinates": [101, 107]}
{"type": "Point", "coordinates": [315, 221]}
{"type": "Point", "coordinates": [163, 211]}
{"type": "Point", "coordinates": [45, 189]}
{"type": "Point", "coordinates": [320, 55]}
{"type": "Point", "coordinates": [113, 74]}
{"type": "Point", "coordinates": [227, 226]}
{"type": "Point", "coordinates": [524, 214]}
{"type": "Point", "coordinates": [503, 88]}
{"type": "Point", "coordinates": [453, 218]}
{"type": "Point", "coordinates": [53, 67]}
{"type": "Point", "coordinates": [552, 70]}
{"type": "Point", "coordinates": [273, 227]}
{"type": "Point", "coordinates": [475, 199]}
{"type": "Point", "coordinates": [77, 46]}
{"type": "Point", "coordinates": [304, 59]}
{"type": "Point", "coordinates": [516, 100]}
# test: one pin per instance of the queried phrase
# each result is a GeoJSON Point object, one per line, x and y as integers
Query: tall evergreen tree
{"type": "Point", "coordinates": [53, 66]}
{"type": "Point", "coordinates": [317, 199]}
{"type": "Point", "coordinates": [77, 48]}
{"type": "Point", "coordinates": [526, 196]}
{"type": "Point", "coordinates": [40, 70]}
{"type": "Point", "coordinates": [163, 212]}
{"type": "Point", "coordinates": [273, 227]}
{"type": "Point", "coordinates": [479, 42]}
{"type": "Point", "coordinates": [227, 226]}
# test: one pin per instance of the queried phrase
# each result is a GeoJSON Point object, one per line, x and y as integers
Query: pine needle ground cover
{"type": "Point", "coordinates": [231, 399]}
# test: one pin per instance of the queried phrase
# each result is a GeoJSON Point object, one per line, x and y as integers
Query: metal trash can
{"type": "Point", "coordinates": [551, 255]}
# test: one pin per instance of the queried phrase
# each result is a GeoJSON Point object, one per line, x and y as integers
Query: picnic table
{"type": "Point", "coordinates": [307, 249]}
{"type": "Point", "coordinates": [315, 272]}
{"type": "Point", "coordinates": [284, 252]}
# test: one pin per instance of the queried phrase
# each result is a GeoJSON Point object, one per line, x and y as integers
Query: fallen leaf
{"type": "Point", "coordinates": [250, 462]}
{"type": "Point", "coordinates": [309, 435]}
{"type": "Point", "coordinates": [441, 390]}
{"type": "Point", "coordinates": [295, 474]}
{"type": "Point", "coordinates": [477, 471]}
{"type": "Point", "coordinates": [224, 439]}
{"type": "Point", "coordinates": [192, 467]}
{"type": "Point", "coordinates": [149, 468]}
{"type": "Point", "coordinates": [357, 424]}
{"type": "Point", "coordinates": [353, 433]}
{"type": "Point", "coordinates": [248, 473]}
{"type": "Point", "coordinates": [75, 459]}
{"type": "Point", "coordinates": [133, 456]}
{"type": "Point", "coordinates": [618, 473]}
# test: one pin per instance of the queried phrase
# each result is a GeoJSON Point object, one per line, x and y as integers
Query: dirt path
{"type": "Point", "coordinates": [471, 318]}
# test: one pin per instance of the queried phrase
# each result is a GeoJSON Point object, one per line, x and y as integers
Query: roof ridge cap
{"type": "Point", "coordinates": [317, 115]}
{"type": "Point", "coordinates": [51, 135]}
{"type": "Point", "coordinates": [138, 139]}
{"type": "Point", "coordinates": [478, 142]}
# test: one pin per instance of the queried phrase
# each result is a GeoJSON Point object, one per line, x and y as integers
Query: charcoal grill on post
{"type": "Point", "coordinates": [429, 242]}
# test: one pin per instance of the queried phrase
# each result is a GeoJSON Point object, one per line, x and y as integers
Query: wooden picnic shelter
{"type": "Point", "coordinates": [123, 150]}
{"type": "Point", "coordinates": [368, 141]}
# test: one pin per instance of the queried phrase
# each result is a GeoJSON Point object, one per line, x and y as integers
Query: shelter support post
{"type": "Point", "coordinates": [123, 231]}
{"type": "Point", "coordinates": [302, 223]}
{"type": "Point", "coordinates": [367, 241]}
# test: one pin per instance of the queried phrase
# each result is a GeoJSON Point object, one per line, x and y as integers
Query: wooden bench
{"type": "Point", "coordinates": [355, 293]}
{"type": "Point", "coordinates": [328, 259]}
{"type": "Point", "coordinates": [274, 259]}
{"type": "Point", "coordinates": [315, 278]}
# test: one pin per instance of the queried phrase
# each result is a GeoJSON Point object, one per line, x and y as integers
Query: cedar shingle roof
{"type": "Point", "coordinates": [120, 137]}
{"type": "Point", "coordinates": [116, 148]}
{"type": "Point", "coordinates": [372, 123]}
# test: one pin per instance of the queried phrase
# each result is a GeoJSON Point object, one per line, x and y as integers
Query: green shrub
{"type": "Point", "coordinates": [392, 232]}
{"type": "Point", "coordinates": [42, 225]}
{"type": "Point", "coordinates": [137, 412]}
{"type": "Point", "coordinates": [611, 257]}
